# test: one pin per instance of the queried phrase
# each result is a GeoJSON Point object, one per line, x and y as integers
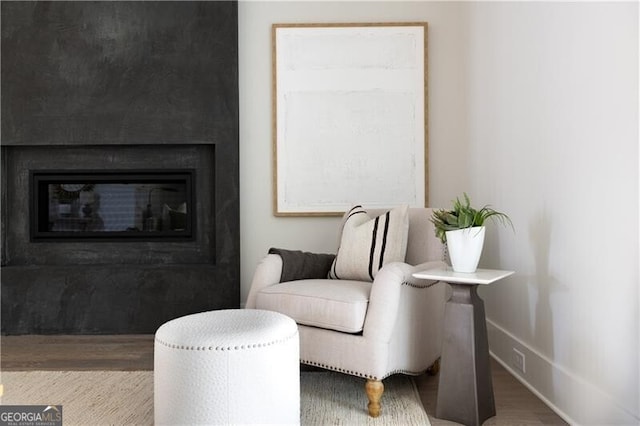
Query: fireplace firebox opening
{"type": "Point", "coordinates": [108, 205]}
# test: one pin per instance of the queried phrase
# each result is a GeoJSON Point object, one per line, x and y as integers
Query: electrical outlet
{"type": "Point", "coordinates": [518, 361]}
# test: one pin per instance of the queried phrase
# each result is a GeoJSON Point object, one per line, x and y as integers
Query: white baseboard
{"type": "Point", "coordinates": [574, 399]}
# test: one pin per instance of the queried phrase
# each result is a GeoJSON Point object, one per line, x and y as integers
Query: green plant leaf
{"type": "Point", "coordinates": [464, 216]}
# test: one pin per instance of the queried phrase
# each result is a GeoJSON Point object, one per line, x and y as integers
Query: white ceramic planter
{"type": "Point", "coordinates": [465, 248]}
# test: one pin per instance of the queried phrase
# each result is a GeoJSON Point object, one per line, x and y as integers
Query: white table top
{"type": "Point", "coordinates": [480, 276]}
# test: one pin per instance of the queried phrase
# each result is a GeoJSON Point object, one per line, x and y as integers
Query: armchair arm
{"type": "Point", "coordinates": [282, 265]}
{"type": "Point", "coordinates": [267, 273]}
{"type": "Point", "coordinates": [384, 300]}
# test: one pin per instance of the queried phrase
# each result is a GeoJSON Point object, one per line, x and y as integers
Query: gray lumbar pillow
{"type": "Point", "coordinates": [369, 243]}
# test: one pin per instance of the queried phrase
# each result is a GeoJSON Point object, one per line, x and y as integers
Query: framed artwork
{"type": "Point", "coordinates": [349, 117]}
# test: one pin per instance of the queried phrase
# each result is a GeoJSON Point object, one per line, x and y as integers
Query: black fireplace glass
{"type": "Point", "coordinates": [106, 205]}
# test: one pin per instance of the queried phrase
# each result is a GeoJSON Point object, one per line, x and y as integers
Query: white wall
{"type": "Point", "coordinates": [553, 109]}
{"type": "Point", "coordinates": [533, 109]}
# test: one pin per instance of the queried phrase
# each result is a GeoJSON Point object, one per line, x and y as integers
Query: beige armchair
{"type": "Point", "coordinates": [367, 329]}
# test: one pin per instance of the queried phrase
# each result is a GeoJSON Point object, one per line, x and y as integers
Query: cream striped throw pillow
{"type": "Point", "coordinates": [369, 243]}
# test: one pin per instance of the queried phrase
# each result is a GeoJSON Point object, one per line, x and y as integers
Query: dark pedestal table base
{"type": "Point", "coordinates": [465, 390]}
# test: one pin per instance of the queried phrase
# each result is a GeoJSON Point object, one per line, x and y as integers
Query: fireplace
{"type": "Point", "coordinates": [119, 186]}
{"type": "Point", "coordinates": [122, 205]}
{"type": "Point", "coordinates": [165, 246]}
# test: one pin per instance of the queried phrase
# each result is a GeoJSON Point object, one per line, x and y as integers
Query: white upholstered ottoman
{"type": "Point", "coordinates": [238, 366]}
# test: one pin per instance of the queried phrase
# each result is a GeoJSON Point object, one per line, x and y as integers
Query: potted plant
{"type": "Point", "coordinates": [462, 229]}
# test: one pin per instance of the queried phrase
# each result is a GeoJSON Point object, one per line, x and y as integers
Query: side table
{"type": "Point", "coordinates": [465, 389]}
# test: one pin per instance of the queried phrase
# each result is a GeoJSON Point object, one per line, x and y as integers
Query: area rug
{"type": "Point", "coordinates": [126, 397]}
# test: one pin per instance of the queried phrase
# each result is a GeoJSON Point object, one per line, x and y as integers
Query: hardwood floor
{"type": "Point", "coordinates": [78, 352]}
{"type": "Point", "coordinates": [515, 404]}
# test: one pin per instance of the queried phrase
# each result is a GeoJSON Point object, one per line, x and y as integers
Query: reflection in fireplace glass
{"type": "Point", "coordinates": [108, 204]}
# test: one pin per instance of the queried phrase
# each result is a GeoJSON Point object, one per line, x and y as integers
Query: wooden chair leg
{"type": "Point", "coordinates": [374, 389]}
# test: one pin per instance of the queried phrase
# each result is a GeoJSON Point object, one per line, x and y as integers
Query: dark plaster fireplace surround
{"type": "Point", "coordinates": [120, 205]}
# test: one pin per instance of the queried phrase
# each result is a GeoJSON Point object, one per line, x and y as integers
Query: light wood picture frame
{"type": "Point", "coordinates": [350, 108]}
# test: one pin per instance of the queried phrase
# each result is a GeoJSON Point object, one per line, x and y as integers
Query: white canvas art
{"type": "Point", "coordinates": [350, 117]}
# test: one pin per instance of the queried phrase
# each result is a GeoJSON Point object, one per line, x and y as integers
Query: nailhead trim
{"type": "Point", "coordinates": [364, 376]}
{"type": "Point", "coordinates": [420, 285]}
{"type": "Point", "coordinates": [226, 348]}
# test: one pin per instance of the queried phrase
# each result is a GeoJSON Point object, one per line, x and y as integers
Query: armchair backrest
{"type": "Point", "coordinates": [423, 245]}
